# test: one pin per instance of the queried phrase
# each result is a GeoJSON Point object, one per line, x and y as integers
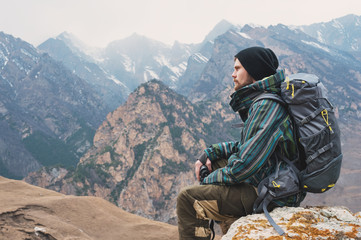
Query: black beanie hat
{"type": "Point", "coordinates": [259, 62]}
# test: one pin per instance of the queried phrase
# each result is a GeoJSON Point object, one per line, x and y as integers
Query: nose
{"type": "Point", "coordinates": [234, 74]}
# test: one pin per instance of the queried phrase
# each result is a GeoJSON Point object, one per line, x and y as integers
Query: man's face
{"type": "Point", "coordinates": [240, 76]}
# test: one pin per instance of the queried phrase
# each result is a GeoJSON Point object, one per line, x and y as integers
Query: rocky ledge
{"type": "Point", "coordinates": [299, 223]}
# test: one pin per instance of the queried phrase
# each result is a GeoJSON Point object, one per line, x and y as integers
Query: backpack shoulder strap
{"type": "Point", "coordinates": [272, 96]}
{"type": "Point", "coordinates": [279, 99]}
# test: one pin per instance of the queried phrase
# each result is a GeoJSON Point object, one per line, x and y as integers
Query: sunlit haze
{"type": "Point", "coordinates": [98, 22]}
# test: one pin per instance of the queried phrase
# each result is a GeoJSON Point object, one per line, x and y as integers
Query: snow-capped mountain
{"type": "Point", "coordinates": [67, 49]}
{"type": "Point", "coordinates": [138, 59]}
{"type": "Point", "coordinates": [78, 47]}
{"type": "Point", "coordinates": [343, 33]}
{"type": "Point", "coordinates": [143, 59]}
{"type": "Point", "coordinates": [134, 60]}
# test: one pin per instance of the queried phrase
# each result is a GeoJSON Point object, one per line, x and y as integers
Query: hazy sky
{"type": "Point", "coordinates": [98, 22]}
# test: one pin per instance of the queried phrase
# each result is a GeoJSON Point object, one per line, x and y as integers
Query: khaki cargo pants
{"type": "Point", "coordinates": [196, 205]}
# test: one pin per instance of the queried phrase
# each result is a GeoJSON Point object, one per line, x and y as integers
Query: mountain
{"type": "Point", "coordinates": [65, 132]}
{"type": "Point", "coordinates": [220, 28]}
{"type": "Point", "coordinates": [134, 60]}
{"type": "Point", "coordinates": [145, 148]}
{"type": "Point", "coordinates": [343, 33]}
{"type": "Point", "coordinates": [48, 114]}
{"type": "Point", "coordinates": [297, 51]}
{"type": "Point", "coordinates": [137, 59]}
{"type": "Point", "coordinates": [29, 212]}
{"type": "Point", "coordinates": [72, 53]}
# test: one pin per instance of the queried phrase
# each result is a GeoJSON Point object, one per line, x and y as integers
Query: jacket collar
{"type": "Point", "coordinates": [243, 98]}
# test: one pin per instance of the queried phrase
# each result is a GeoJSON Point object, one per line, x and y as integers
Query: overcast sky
{"type": "Point", "coordinates": [98, 22]}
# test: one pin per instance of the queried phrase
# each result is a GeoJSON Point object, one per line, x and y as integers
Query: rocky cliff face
{"type": "Point", "coordinates": [299, 223]}
{"type": "Point", "coordinates": [148, 146]}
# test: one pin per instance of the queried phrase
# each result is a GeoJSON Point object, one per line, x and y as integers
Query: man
{"type": "Point", "coordinates": [236, 168]}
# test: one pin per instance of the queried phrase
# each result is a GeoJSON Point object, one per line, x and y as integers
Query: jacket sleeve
{"type": "Point", "coordinates": [221, 150]}
{"type": "Point", "coordinates": [260, 137]}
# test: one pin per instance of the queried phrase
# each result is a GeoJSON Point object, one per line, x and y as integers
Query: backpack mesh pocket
{"type": "Point", "coordinates": [323, 179]}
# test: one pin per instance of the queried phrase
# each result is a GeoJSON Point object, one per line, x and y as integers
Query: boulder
{"type": "Point", "coordinates": [299, 223]}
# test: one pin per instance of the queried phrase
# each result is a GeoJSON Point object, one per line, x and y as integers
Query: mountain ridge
{"type": "Point", "coordinates": [343, 33]}
{"type": "Point", "coordinates": [107, 87]}
{"type": "Point", "coordinates": [42, 101]}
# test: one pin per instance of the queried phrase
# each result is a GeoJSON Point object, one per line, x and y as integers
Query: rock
{"type": "Point", "coordinates": [299, 223]}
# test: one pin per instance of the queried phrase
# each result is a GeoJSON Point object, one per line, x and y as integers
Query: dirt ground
{"type": "Point", "coordinates": [30, 212]}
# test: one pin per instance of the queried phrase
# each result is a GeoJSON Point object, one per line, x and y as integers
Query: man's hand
{"type": "Point", "coordinates": [198, 165]}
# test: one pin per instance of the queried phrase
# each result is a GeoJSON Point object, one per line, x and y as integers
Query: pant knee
{"type": "Point", "coordinates": [181, 197]}
{"type": "Point", "coordinates": [183, 200]}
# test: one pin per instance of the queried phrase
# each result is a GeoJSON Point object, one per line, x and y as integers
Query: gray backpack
{"type": "Point", "coordinates": [318, 140]}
